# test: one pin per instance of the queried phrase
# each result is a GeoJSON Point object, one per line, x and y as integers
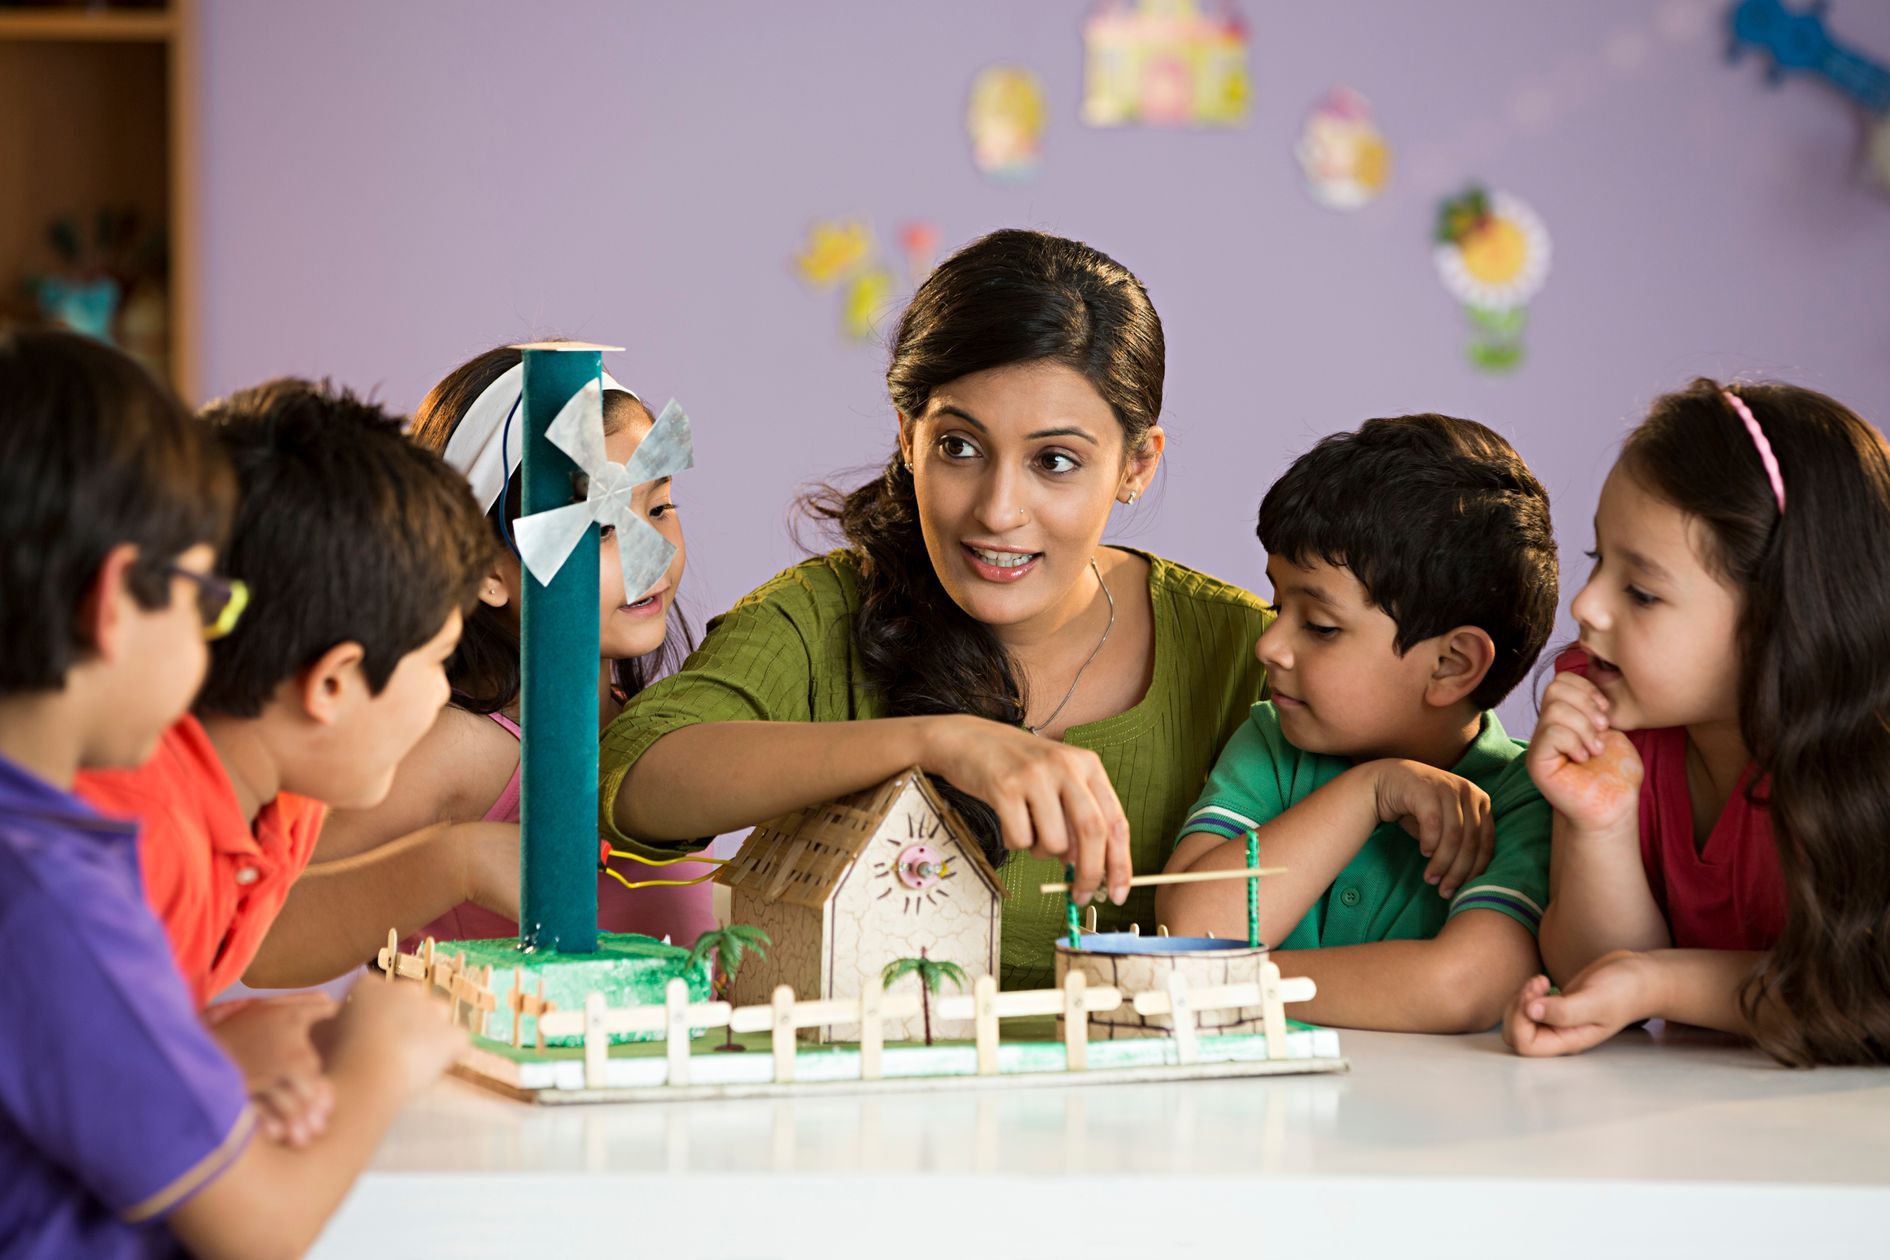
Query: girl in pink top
{"type": "Point", "coordinates": [1717, 751]}
{"type": "Point", "coordinates": [467, 768]}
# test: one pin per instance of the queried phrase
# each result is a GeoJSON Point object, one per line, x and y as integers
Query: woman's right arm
{"type": "Point", "coordinates": [1050, 799]}
{"type": "Point", "coordinates": [740, 735]}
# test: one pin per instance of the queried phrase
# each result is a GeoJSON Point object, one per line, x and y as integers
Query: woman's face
{"type": "Point", "coordinates": [1016, 469]}
{"type": "Point", "coordinates": [635, 628]}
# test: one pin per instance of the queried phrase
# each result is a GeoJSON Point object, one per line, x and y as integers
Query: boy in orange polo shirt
{"type": "Point", "coordinates": [124, 1130]}
{"type": "Point", "coordinates": [352, 542]}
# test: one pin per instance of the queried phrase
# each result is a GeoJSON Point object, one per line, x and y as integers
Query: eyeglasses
{"type": "Point", "coordinates": [220, 600]}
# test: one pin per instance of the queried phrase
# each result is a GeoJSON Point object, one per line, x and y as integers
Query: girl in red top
{"type": "Point", "coordinates": [1717, 749]}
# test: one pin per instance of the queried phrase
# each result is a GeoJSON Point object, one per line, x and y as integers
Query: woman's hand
{"type": "Point", "coordinates": [1587, 771]}
{"type": "Point", "coordinates": [1051, 800]}
{"type": "Point", "coordinates": [1606, 996]}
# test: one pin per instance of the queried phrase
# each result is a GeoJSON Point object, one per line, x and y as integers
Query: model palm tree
{"type": "Point", "coordinates": [727, 947]}
{"type": "Point", "coordinates": [931, 975]}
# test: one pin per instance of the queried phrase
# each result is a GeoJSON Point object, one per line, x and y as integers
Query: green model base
{"type": "Point", "coordinates": [629, 970]}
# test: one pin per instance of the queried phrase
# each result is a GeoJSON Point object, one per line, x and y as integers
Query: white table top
{"type": "Point", "coordinates": [1668, 1143]}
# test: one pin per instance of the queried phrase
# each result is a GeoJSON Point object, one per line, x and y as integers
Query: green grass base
{"type": "Point", "coordinates": [628, 969]}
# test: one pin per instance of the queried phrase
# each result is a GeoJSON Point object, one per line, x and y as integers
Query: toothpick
{"type": "Point", "coordinates": [1181, 877]}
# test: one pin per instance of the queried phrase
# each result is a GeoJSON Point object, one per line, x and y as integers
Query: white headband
{"type": "Point", "coordinates": [479, 448]}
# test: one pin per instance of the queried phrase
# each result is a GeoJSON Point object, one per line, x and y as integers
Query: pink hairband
{"type": "Point", "coordinates": [1764, 447]}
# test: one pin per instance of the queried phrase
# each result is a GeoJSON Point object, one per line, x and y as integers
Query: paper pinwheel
{"type": "Point", "coordinates": [545, 539]}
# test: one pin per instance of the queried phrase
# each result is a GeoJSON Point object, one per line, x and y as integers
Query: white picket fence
{"type": "Point", "coordinates": [784, 1017]}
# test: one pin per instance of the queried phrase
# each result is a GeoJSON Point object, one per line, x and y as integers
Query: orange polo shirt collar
{"type": "Point", "coordinates": [215, 881]}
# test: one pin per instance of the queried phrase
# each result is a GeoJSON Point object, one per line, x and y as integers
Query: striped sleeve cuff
{"type": "Point", "coordinates": [1219, 820]}
{"type": "Point", "coordinates": [1516, 905]}
{"type": "Point", "coordinates": [201, 1174]}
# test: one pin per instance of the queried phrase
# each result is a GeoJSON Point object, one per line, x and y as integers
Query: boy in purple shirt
{"type": "Point", "coordinates": [124, 1129]}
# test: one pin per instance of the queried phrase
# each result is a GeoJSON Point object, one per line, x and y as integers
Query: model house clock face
{"type": "Point", "coordinates": [918, 860]}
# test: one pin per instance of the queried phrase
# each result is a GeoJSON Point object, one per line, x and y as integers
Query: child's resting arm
{"type": "Point", "coordinates": [1688, 986]}
{"type": "Point", "coordinates": [1459, 981]}
{"type": "Point", "coordinates": [1312, 841]}
{"type": "Point", "coordinates": [269, 1039]}
{"type": "Point", "coordinates": [1315, 839]}
{"type": "Point", "coordinates": [1591, 776]}
{"type": "Point", "coordinates": [454, 774]}
{"type": "Point", "coordinates": [273, 1201]}
{"type": "Point", "coordinates": [1598, 898]}
{"type": "Point", "coordinates": [338, 913]}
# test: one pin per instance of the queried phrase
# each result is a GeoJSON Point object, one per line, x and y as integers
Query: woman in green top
{"type": "Point", "coordinates": [1071, 697]}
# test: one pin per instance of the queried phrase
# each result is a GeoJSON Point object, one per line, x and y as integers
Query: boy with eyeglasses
{"type": "Point", "coordinates": [350, 547]}
{"type": "Point", "coordinates": [125, 1130]}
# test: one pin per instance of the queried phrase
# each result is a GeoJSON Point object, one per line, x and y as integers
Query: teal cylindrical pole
{"type": "Point", "coordinates": [558, 669]}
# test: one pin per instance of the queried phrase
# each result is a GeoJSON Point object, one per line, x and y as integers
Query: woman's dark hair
{"type": "Point", "coordinates": [1814, 691]}
{"type": "Point", "coordinates": [484, 671]}
{"type": "Point", "coordinates": [344, 532]}
{"type": "Point", "coordinates": [1012, 297]}
{"type": "Point", "coordinates": [94, 453]}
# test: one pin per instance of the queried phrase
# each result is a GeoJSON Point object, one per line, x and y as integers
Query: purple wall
{"type": "Point", "coordinates": [392, 187]}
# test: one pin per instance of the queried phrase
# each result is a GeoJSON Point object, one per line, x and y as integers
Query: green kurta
{"type": "Point", "coordinates": [786, 653]}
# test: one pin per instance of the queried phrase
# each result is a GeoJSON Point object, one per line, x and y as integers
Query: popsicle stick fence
{"type": "Point", "coordinates": [985, 1007]}
{"type": "Point", "coordinates": [467, 989]}
{"type": "Point", "coordinates": [1270, 993]}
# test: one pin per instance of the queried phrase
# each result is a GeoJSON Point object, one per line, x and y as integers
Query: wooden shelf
{"type": "Point", "coordinates": [123, 26]}
{"type": "Point", "coordinates": [98, 108]}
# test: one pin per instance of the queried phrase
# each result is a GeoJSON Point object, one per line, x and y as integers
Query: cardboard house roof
{"type": "Point", "coordinates": [803, 857]}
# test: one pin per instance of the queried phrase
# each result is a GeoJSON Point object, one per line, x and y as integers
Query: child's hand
{"type": "Point", "coordinates": [1587, 771]}
{"type": "Point", "coordinates": [271, 1041]}
{"type": "Point", "coordinates": [396, 1029]}
{"type": "Point", "coordinates": [269, 1038]}
{"type": "Point", "coordinates": [1449, 815]}
{"type": "Point", "coordinates": [1605, 997]}
{"type": "Point", "coordinates": [293, 1111]}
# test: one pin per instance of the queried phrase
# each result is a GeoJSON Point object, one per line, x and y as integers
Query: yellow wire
{"type": "Point", "coordinates": [656, 883]}
{"type": "Point", "coordinates": [688, 857]}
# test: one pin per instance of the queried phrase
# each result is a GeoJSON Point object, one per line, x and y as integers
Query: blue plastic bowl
{"type": "Point", "coordinates": [1131, 943]}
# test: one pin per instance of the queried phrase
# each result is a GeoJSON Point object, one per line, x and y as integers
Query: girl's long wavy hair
{"type": "Point", "coordinates": [1814, 692]}
{"type": "Point", "coordinates": [1011, 297]}
{"type": "Point", "coordinates": [484, 671]}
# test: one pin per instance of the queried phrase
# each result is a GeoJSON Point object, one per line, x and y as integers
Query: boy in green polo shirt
{"type": "Point", "coordinates": [1414, 571]}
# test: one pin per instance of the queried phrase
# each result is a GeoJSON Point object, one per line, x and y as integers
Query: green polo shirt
{"type": "Point", "coordinates": [1381, 894]}
{"type": "Point", "coordinates": [787, 652]}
